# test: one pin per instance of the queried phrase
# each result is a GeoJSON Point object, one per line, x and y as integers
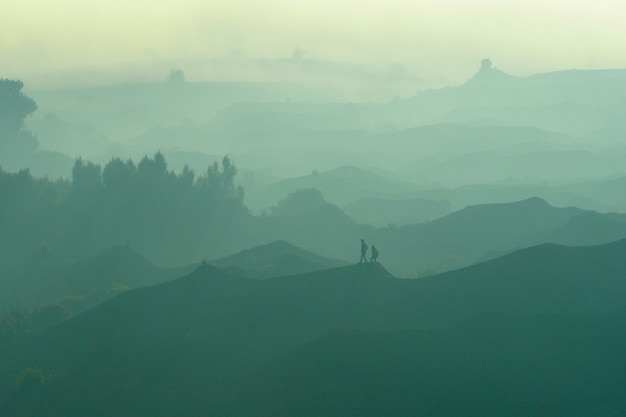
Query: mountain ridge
{"type": "Point", "coordinates": [203, 335]}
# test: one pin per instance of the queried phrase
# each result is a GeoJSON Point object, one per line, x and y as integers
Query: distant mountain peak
{"type": "Point", "coordinates": [535, 201]}
{"type": "Point", "coordinates": [488, 74]}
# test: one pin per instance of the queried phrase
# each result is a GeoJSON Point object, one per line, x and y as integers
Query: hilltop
{"type": "Point", "coordinates": [275, 259]}
{"type": "Point", "coordinates": [198, 343]}
{"type": "Point", "coordinates": [460, 238]}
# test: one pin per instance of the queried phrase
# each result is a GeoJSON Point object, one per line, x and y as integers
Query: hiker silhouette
{"type": "Point", "coordinates": [374, 254]}
{"type": "Point", "coordinates": [363, 251]}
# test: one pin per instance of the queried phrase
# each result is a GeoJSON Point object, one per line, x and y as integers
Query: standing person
{"type": "Point", "coordinates": [363, 251]}
{"type": "Point", "coordinates": [374, 254]}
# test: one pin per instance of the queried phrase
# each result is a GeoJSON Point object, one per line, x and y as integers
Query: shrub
{"type": "Point", "coordinates": [14, 322]}
{"type": "Point", "coordinates": [49, 314]}
{"type": "Point", "coordinates": [30, 377]}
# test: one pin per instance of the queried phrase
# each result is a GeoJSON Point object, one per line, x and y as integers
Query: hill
{"type": "Point", "coordinates": [585, 229]}
{"type": "Point", "coordinates": [460, 238]}
{"type": "Point", "coordinates": [339, 186]}
{"type": "Point", "coordinates": [455, 240]}
{"type": "Point", "coordinates": [549, 166]}
{"type": "Point", "coordinates": [573, 102]}
{"type": "Point", "coordinates": [201, 343]}
{"type": "Point", "coordinates": [275, 259]}
{"type": "Point", "coordinates": [120, 267]}
{"type": "Point", "coordinates": [492, 365]}
{"type": "Point", "coordinates": [600, 195]}
{"type": "Point", "coordinates": [384, 211]}
{"type": "Point", "coordinates": [448, 139]}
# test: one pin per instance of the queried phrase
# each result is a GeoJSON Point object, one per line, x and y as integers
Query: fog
{"type": "Point", "coordinates": [297, 208]}
{"type": "Point", "coordinates": [72, 42]}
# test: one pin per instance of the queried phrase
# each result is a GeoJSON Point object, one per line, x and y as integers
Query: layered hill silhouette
{"type": "Point", "coordinates": [567, 101]}
{"type": "Point", "coordinates": [384, 211]}
{"type": "Point", "coordinates": [275, 259]}
{"type": "Point", "coordinates": [455, 240]}
{"type": "Point", "coordinates": [589, 228]}
{"type": "Point", "coordinates": [213, 343]}
{"type": "Point", "coordinates": [462, 237]}
{"type": "Point", "coordinates": [120, 267]}
{"type": "Point", "coordinates": [601, 195]}
{"type": "Point", "coordinates": [489, 166]}
{"type": "Point", "coordinates": [339, 186]}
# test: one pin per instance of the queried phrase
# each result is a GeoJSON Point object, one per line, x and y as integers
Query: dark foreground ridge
{"type": "Point", "coordinates": [491, 339]}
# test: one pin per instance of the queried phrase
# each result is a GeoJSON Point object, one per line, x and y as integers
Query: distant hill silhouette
{"type": "Point", "coordinates": [118, 267]}
{"type": "Point", "coordinates": [599, 195]}
{"type": "Point", "coordinates": [574, 102]}
{"type": "Point", "coordinates": [211, 343]}
{"type": "Point", "coordinates": [339, 186]}
{"type": "Point", "coordinates": [589, 228]}
{"type": "Point", "coordinates": [325, 230]}
{"type": "Point", "coordinates": [382, 212]}
{"type": "Point", "coordinates": [543, 165]}
{"type": "Point", "coordinates": [458, 239]}
{"type": "Point", "coordinates": [455, 240]}
{"type": "Point", "coordinates": [489, 76]}
{"type": "Point", "coordinates": [443, 139]}
{"type": "Point", "coordinates": [586, 229]}
{"type": "Point", "coordinates": [275, 259]}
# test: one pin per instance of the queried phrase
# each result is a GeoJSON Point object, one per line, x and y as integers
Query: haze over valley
{"type": "Point", "coordinates": [281, 209]}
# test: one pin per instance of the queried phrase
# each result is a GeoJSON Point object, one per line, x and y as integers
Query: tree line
{"type": "Point", "coordinates": [145, 204]}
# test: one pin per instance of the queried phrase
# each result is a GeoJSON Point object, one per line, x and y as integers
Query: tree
{"type": "Point", "coordinates": [176, 76]}
{"type": "Point", "coordinates": [219, 182]}
{"type": "Point", "coordinates": [86, 178]}
{"type": "Point", "coordinates": [486, 64]}
{"type": "Point", "coordinates": [117, 174]}
{"type": "Point", "coordinates": [298, 202]}
{"type": "Point", "coordinates": [15, 106]}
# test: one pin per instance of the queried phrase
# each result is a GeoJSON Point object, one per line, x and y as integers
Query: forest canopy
{"type": "Point", "coordinates": [144, 204]}
{"type": "Point", "coordinates": [15, 106]}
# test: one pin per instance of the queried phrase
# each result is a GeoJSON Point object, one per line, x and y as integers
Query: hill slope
{"type": "Point", "coordinates": [194, 345]}
{"type": "Point", "coordinates": [462, 237]}
{"type": "Point", "coordinates": [117, 267]}
{"type": "Point", "coordinates": [493, 365]}
{"type": "Point", "coordinates": [275, 259]}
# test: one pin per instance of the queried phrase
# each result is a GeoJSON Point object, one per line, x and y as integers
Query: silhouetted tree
{"type": "Point", "coordinates": [299, 201]}
{"type": "Point", "coordinates": [86, 178]}
{"type": "Point", "coordinates": [117, 175]}
{"type": "Point", "coordinates": [152, 169]}
{"type": "Point", "coordinates": [158, 210]}
{"type": "Point", "coordinates": [176, 76]}
{"type": "Point", "coordinates": [14, 108]}
{"type": "Point", "coordinates": [187, 177]}
{"type": "Point", "coordinates": [218, 183]}
{"type": "Point", "coordinates": [486, 64]}
{"type": "Point", "coordinates": [27, 214]}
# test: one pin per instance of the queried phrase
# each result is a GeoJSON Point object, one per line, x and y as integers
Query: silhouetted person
{"type": "Point", "coordinates": [363, 251]}
{"type": "Point", "coordinates": [374, 254]}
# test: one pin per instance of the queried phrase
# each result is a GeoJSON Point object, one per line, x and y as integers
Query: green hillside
{"type": "Point", "coordinates": [210, 343]}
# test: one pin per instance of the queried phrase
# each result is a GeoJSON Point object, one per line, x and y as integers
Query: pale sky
{"type": "Point", "coordinates": [44, 42]}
